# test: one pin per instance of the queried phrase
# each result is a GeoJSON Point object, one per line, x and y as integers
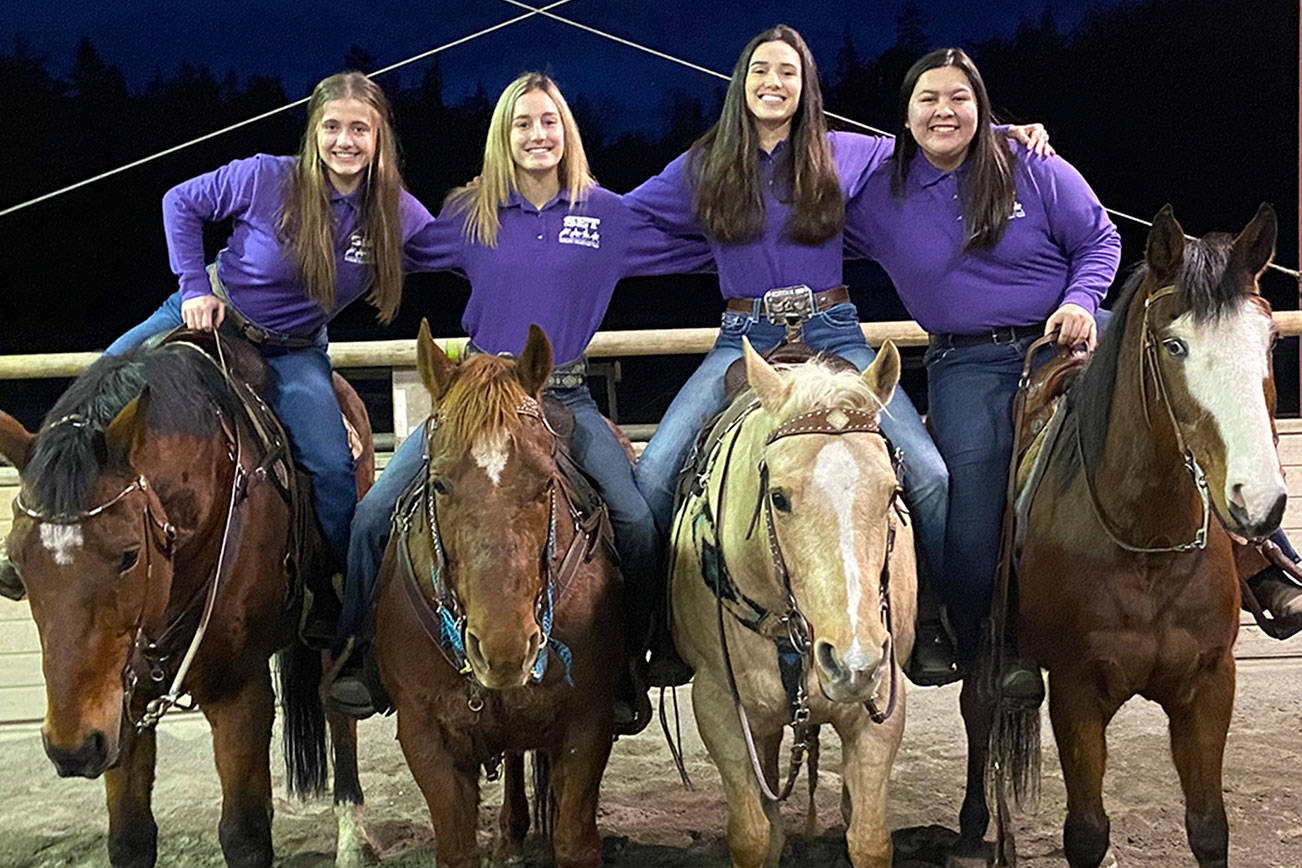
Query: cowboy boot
{"type": "Point", "coordinates": [11, 584]}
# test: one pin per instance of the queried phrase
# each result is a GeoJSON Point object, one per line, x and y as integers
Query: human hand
{"type": "Point", "coordinates": [1035, 137]}
{"type": "Point", "coordinates": [204, 312]}
{"type": "Point", "coordinates": [1075, 325]}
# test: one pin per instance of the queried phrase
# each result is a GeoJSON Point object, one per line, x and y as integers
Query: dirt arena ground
{"type": "Point", "coordinates": [647, 819]}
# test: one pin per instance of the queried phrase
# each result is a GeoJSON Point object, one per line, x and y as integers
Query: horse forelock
{"type": "Point", "coordinates": [1207, 287]}
{"type": "Point", "coordinates": [68, 456]}
{"type": "Point", "coordinates": [816, 385]}
{"type": "Point", "coordinates": [479, 410]}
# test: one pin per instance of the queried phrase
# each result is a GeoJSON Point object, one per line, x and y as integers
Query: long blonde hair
{"type": "Point", "coordinates": [480, 199]}
{"type": "Point", "coordinates": [307, 223]}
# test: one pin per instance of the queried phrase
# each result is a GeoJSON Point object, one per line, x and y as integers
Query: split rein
{"type": "Point", "coordinates": [793, 622]}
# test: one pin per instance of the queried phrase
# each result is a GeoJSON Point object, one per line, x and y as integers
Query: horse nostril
{"type": "Point", "coordinates": [474, 653]}
{"type": "Point", "coordinates": [825, 655]}
{"type": "Point", "coordinates": [1236, 496]}
{"type": "Point", "coordinates": [1276, 514]}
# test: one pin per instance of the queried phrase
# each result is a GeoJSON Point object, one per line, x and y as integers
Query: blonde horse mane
{"type": "Point", "coordinates": [815, 385]}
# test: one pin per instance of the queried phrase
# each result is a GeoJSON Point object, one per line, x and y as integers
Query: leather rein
{"type": "Point", "coordinates": [443, 618]}
{"type": "Point", "coordinates": [790, 630]}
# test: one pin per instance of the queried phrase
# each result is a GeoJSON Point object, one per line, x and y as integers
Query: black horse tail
{"type": "Point", "coordinates": [1015, 753]}
{"type": "Point", "coordinates": [305, 726]}
{"type": "Point", "coordinates": [544, 801]}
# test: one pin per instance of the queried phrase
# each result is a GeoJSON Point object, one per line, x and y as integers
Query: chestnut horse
{"type": "Point", "coordinates": [152, 543]}
{"type": "Point", "coordinates": [499, 625]}
{"type": "Point", "coordinates": [1126, 586]}
{"type": "Point", "coordinates": [801, 615]}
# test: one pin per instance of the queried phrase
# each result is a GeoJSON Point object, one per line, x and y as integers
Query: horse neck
{"type": "Point", "coordinates": [192, 475]}
{"type": "Point", "coordinates": [1142, 464]}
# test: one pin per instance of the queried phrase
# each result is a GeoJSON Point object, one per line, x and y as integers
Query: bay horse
{"type": "Point", "coordinates": [793, 595]}
{"type": "Point", "coordinates": [1127, 588]}
{"type": "Point", "coordinates": [153, 544]}
{"type": "Point", "coordinates": [499, 627]}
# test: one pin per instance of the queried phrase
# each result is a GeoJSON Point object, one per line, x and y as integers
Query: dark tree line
{"type": "Point", "coordinates": [1170, 100]}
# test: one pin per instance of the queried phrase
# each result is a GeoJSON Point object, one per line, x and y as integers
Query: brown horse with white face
{"type": "Point", "coordinates": [1127, 585]}
{"type": "Point", "coordinates": [153, 552]}
{"type": "Point", "coordinates": [793, 595]}
{"type": "Point", "coordinates": [499, 624]}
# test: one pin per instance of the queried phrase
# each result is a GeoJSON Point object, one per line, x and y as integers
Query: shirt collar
{"type": "Point", "coordinates": [927, 175]}
{"type": "Point", "coordinates": [516, 200]}
{"type": "Point", "coordinates": [775, 153]}
{"type": "Point", "coordinates": [352, 198]}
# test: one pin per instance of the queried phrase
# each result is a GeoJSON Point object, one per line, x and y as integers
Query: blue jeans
{"type": "Point", "coordinates": [970, 393]}
{"type": "Point", "coordinates": [303, 397]}
{"type": "Point", "coordinates": [596, 450]}
{"type": "Point", "coordinates": [835, 330]}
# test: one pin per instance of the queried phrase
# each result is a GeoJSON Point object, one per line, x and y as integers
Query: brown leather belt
{"type": "Point", "coordinates": [777, 305]}
{"type": "Point", "coordinates": [1000, 335]}
{"type": "Point", "coordinates": [251, 330]}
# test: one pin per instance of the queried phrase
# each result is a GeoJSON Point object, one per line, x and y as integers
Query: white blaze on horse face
{"type": "Point", "coordinates": [836, 475]}
{"type": "Point", "coordinates": [490, 454]}
{"type": "Point", "coordinates": [60, 540]}
{"type": "Point", "coordinates": [1227, 361]}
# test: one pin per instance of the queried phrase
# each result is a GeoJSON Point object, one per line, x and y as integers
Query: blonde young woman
{"type": "Point", "coordinates": [540, 242]}
{"type": "Point", "coordinates": [312, 233]}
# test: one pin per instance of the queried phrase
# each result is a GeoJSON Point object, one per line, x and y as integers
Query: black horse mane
{"type": "Point", "coordinates": [185, 391]}
{"type": "Point", "coordinates": [1203, 286]}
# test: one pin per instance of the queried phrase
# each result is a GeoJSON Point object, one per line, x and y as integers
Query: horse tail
{"type": "Point", "coordinates": [811, 813]}
{"type": "Point", "coordinates": [305, 726]}
{"type": "Point", "coordinates": [1014, 756]}
{"type": "Point", "coordinates": [544, 802]}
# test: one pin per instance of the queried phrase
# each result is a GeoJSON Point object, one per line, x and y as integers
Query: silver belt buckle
{"type": "Point", "coordinates": [791, 306]}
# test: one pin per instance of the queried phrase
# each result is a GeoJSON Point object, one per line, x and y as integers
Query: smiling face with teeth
{"type": "Point", "coordinates": [773, 83]}
{"type": "Point", "coordinates": [537, 134]}
{"type": "Point", "coordinates": [942, 116]}
{"type": "Point", "coordinates": [345, 140]}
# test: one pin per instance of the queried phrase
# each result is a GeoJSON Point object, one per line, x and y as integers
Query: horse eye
{"type": "Point", "coordinates": [780, 502]}
{"type": "Point", "coordinates": [129, 559]}
{"type": "Point", "coordinates": [440, 487]}
{"type": "Point", "coordinates": [1176, 347]}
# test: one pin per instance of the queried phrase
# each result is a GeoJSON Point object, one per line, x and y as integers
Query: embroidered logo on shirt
{"type": "Point", "coordinates": [584, 231]}
{"type": "Point", "coordinates": [1017, 210]}
{"type": "Point", "coordinates": [361, 251]}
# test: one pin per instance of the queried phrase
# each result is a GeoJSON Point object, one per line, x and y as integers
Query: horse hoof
{"type": "Point", "coordinates": [1109, 860]}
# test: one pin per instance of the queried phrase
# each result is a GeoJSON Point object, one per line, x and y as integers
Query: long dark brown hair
{"type": "Point", "coordinates": [987, 188]}
{"type": "Point", "coordinates": [729, 203]}
{"type": "Point", "coordinates": [308, 223]}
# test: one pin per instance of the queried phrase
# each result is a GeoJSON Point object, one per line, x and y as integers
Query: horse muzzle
{"type": "Point", "coordinates": [88, 760]}
{"type": "Point", "coordinates": [503, 662]}
{"type": "Point", "coordinates": [854, 678]}
{"type": "Point", "coordinates": [1258, 517]}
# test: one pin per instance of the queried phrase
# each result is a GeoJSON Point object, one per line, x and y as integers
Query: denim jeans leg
{"type": "Point", "coordinates": [303, 397]}
{"type": "Point", "coordinates": [600, 453]}
{"type": "Point", "coordinates": [699, 399]}
{"type": "Point", "coordinates": [166, 318]}
{"type": "Point", "coordinates": [971, 392]}
{"type": "Point", "coordinates": [926, 479]}
{"type": "Point", "coordinates": [370, 530]}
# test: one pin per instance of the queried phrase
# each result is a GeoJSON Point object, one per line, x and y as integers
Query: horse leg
{"type": "Point", "coordinates": [1080, 716]}
{"type": "Point", "coordinates": [133, 835]}
{"type": "Point", "coordinates": [353, 846]}
{"type": "Point", "coordinates": [513, 818]}
{"type": "Point", "coordinates": [868, 751]}
{"type": "Point", "coordinates": [576, 779]}
{"type": "Point", "coordinates": [241, 737]}
{"type": "Point", "coordinates": [450, 787]}
{"type": "Point", "coordinates": [1198, 727]}
{"type": "Point", "coordinates": [974, 815]}
{"type": "Point", "coordinates": [749, 829]}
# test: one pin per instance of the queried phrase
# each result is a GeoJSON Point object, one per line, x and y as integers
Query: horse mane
{"type": "Point", "coordinates": [479, 406]}
{"type": "Point", "coordinates": [184, 389]}
{"type": "Point", "coordinates": [1202, 285]}
{"type": "Point", "coordinates": [817, 385]}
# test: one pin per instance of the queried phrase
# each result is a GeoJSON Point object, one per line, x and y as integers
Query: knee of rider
{"type": "Point", "coordinates": [926, 480]}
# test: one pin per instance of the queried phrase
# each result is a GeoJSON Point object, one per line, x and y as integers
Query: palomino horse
{"type": "Point", "coordinates": [499, 624]}
{"type": "Point", "coordinates": [152, 541]}
{"type": "Point", "coordinates": [1126, 586]}
{"type": "Point", "coordinates": [811, 589]}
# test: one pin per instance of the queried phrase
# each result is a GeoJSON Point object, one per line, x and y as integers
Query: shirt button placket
{"type": "Point", "coordinates": [540, 226]}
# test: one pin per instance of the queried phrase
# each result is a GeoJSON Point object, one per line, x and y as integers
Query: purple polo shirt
{"type": "Point", "coordinates": [750, 269]}
{"type": "Point", "coordinates": [555, 266]}
{"type": "Point", "coordinates": [256, 267]}
{"type": "Point", "coordinates": [1059, 246]}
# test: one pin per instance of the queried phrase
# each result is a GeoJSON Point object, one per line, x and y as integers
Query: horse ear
{"type": "Point", "coordinates": [435, 367]}
{"type": "Point", "coordinates": [771, 389]}
{"type": "Point", "coordinates": [15, 441]}
{"type": "Point", "coordinates": [1255, 245]}
{"type": "Point", "coordinates": [535, 364]}
{"type": "Point", "coordinates": [1165, 251]}
{"type": "Point", "coordinates": [121, 435]}
{"type": "Point", "coordinates": [883, 375]}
